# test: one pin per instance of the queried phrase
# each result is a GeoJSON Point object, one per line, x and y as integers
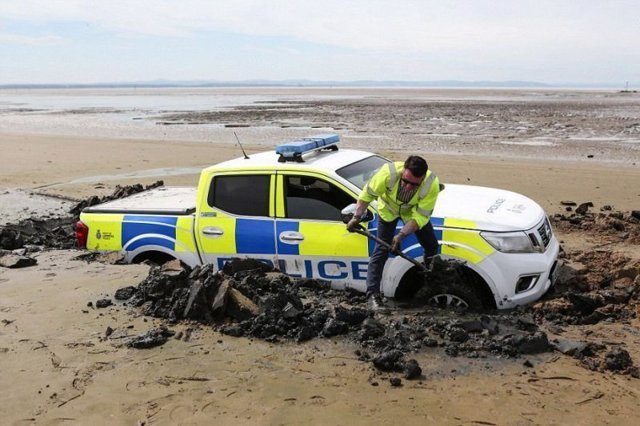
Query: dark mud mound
{"type": "Point", "coordinates": [58, 232]}
{"type": "Point", "coordinates": [119, 192]}
{"type": "Point", "coordinates": [252, 301]}
{"type": "Point", "coordinates": [597, 286]}
{"type": "Point", "coordinates": [616, 225]}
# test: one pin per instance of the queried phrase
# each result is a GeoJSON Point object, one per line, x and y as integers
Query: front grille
{"type": "Point", "coordinates": [544, 232]}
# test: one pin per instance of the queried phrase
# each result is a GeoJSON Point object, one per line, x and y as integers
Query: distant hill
{"type": "Point", "coordinates": [313, 83]}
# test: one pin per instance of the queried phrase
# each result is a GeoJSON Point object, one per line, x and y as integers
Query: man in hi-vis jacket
{"type": "Point", "coordinates": [406, 191]}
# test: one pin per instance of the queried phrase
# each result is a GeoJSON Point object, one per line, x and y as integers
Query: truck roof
{"type": "Point", "coordinates": [326, 160]}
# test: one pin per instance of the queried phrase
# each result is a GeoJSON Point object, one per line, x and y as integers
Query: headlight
{"type": "Point", "coordinates": [510, 242]}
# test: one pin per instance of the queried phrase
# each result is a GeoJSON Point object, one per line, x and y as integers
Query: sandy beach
{"type": "Point", "coordinates": [58, 366]}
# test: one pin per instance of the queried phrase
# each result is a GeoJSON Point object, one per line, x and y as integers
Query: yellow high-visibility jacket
{"type": "Point", "coordinates": [384, 186]}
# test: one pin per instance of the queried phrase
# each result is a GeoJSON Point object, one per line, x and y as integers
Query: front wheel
{"type": "Point", "coordinates": [450, 285]}
{"type": "Point", "coordinates": [452, 294]}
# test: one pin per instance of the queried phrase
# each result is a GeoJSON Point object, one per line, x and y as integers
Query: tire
{"type": "Point", "coordinates": [448, 286]}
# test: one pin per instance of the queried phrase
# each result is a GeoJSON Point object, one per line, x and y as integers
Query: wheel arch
{"type": "Point", "coordinates": [406, 287]}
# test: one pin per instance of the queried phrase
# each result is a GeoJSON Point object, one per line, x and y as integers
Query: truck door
{"type": "Point", "coordinates": [236, 217]}
{"type": "Point", "coordinates": [311, 239]}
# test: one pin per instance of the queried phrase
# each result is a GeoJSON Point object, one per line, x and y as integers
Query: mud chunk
{"type": "Point", "coordinates": [490, 325]}
{"type": "Point", "coordinates": [351, 316]}
{"type": "Point", "coordinates": [389, 361]}
{"type": "Point", "coordinates": [635, 214]}
{"type": "Point", "coordinates": [530, 343]}
{"type": "Point", "coordinates": [306, 333]}
{"type": "Point", "coordinates": [412, 370]}
{"type": "Point", "coordinates": [582, 208]}
{"type": "Point", "coordinates": [125, 293]}
{"type": "Point", "coordinates": [151, 338]}
{"type": "Point", "coordinates": [220, 300]}
{"type": "Point", "coordinates": [103, 303]}
{"type": "Point", "coordinates": [456, 334]}
{"type": "Point", "coordinates": [472, 326]}
{"type": "Point", "coordinates": [333, 327]}
{"type": "Point", "coordinates": [232, 330]}
{"type": "Point", "coordinates": [236, 265]}
{"type": "Point", "coordinates": [395, 381]}
{"type": "Point", "coordinates": [15, 261]}
{"type": "Point", "coordinates": [585, 303]}
{"type": "Point", "coordinates": [10, 239]}
{"type": "Point", "coordinates": [370, 329]}
{"type": "Point", "coordinates": [617, 360]}
{"type": "Point", "coordinates": [119, 192]}
{"type": "Point", "coordinates": [570, 347]}
{"type": "Point", "coordinates": [241, 308]}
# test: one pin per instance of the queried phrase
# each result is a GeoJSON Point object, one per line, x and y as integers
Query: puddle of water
{"type": "Point", "coordinates": [529, 143]}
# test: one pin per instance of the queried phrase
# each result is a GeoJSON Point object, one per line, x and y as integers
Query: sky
{"type": "Point", "coordinates": [91, 41]}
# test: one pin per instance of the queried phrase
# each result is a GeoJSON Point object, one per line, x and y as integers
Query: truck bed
{"type": "Point", "coordinates": [170, 200]}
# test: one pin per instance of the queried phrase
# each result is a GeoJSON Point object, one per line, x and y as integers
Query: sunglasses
{"type": "Point", "coordinates": [408, 182]}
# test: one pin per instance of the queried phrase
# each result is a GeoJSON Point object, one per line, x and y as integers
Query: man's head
{"type": "Point", "coordinates": [415, 168]}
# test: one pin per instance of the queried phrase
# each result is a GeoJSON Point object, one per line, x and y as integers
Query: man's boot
{"type": "Point", "coordinates": [375, 302]}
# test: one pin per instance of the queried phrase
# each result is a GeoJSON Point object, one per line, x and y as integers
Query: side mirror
{"type": "Point", "coordinates": [347, 214]}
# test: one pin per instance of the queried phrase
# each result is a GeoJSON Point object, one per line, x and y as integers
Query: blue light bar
{"type": "Point", "coordinates": [292, 151]}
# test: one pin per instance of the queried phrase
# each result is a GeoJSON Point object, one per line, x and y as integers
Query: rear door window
{"type": "Point", "coordinates": [245, 195]}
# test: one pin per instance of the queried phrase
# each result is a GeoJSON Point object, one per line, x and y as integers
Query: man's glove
{"type": "Point", "coordinates": [396, 243]}
{"type": "Point", "coordinates": [353, 223]}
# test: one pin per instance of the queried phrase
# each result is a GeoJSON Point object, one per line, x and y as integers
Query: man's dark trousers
{"type": "Point", "coordinates": [386, 230]}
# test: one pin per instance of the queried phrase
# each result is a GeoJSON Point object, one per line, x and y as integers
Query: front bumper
{"type": "Point", "coordinates": [503, 270]}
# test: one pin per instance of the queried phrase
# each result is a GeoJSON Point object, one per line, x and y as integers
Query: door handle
{"type": "Point", "coordinates": [212, 231]}
{"type": "Point", "coordinates": [291, 237]}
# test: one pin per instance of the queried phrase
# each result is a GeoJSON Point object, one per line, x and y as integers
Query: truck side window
{"type": "Point", "coordinates": [310, 198]}
{"type": "Point", "coordinates": [246, 195]}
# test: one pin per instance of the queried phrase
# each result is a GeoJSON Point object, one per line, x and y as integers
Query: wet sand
{"type": "Point", "coordinates": [57, 366]}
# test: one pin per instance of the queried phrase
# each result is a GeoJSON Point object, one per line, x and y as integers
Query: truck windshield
{"type": "Point", "coordinates": [360, 172]}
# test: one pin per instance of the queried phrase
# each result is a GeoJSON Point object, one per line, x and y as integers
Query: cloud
{"type": "Point", "coordinates": [404, 25]}
{"type": "Point", "coordinates": [30, 40]}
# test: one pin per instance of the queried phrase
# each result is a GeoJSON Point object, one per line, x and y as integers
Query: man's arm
{"type": "Point", "coordinates": [361, 208]}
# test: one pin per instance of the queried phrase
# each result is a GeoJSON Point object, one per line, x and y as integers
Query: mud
{"type": "Point", "coordinates": [119, 192]}
{"type": "Point", "coordinates": [594, 286]}
{"type": "Point", "coordinates": [614, 225]}
{"type": "Point", "coordinates": [151, 338]}
{"type": "Point", "coordinates": [58, 232]}
{"type": "Point", "coordinates": [301, 310]}
{"type": "Point", "coordinates": [247, 299]}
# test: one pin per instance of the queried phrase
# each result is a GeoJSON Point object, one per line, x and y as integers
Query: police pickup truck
{"type": "Point", "coordinates": [284, 208]}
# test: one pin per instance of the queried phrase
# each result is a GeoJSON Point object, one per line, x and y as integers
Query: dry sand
{"type": "Point", "coordinates": [57, 367]}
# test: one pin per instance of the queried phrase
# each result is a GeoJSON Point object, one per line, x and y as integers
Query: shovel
{"type": "Point", "coordinates": [347, 215]}
{"type": "Point", "coordinates": [360, 230]}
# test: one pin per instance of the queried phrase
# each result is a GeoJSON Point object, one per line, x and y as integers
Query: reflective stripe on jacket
{"type": "Point", "coordinates": [384, 186]}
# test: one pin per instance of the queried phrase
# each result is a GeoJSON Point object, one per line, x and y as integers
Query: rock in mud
{"type": "Point", "coordinates": [125, 293]}
{"type": "Point", "coordinates": [103, 303]}
{"type": "Point", "coordinates": [10, 239]}
{"type": "Point", "coordinates": [15, 261]}
{"type": "Point", "coordinates": [389, 361]}
{"type": "Point", "coordinates": [584, 207]}
{"type": "Point", "coordinates": [395, 381]}
{"type": "Point", "coordinates": [617, 360]}
{"type": "Point", "coordinates": [334, 327]}
{"type": "Point", "coordinates": [412, 370]}
{"type": "Point", "coordinates": [531, 344]}
{"type": "Point", "coordinates": [151, 338]}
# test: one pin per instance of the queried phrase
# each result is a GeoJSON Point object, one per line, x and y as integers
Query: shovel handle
{"type": "Point", "coordinates": [360, 230]}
